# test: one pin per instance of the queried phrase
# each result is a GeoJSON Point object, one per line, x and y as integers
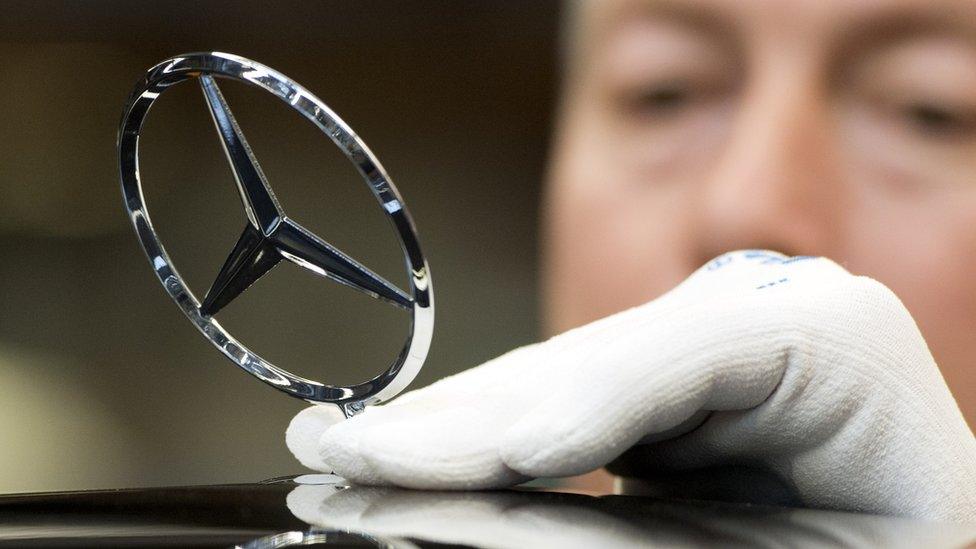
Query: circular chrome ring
{"type": "Point", "coordinates": [351, 398]}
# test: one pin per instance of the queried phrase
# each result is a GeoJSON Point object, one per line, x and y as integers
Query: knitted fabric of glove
{"type": "Point", "coordinates": [798, 367]}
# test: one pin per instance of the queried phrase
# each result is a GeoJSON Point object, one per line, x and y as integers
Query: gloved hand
{"type": "Point", "coordinates": [791, 365]}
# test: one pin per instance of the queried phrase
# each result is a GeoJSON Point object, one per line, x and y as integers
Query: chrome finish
{"type": "Point", "coordinates": [270, 236]}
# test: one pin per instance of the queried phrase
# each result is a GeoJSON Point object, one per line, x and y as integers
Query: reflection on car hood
{"type": "Point", "coordinates": [323, 510]}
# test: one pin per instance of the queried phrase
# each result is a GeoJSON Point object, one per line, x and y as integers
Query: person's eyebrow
{"type": "Point", "coordinates": [915, 17]}
{"type": "Point", "coordinates": [592, 25]}
{"type": "Point", "coordinates": [873, 25]}
{"type": "Point", "coordinates": [866, 20]}
{"type": "Point", "coordinates": [712, 19]}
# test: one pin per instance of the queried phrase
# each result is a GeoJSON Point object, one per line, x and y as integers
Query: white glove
{"type": "Point", "coordinates": [817, 376]}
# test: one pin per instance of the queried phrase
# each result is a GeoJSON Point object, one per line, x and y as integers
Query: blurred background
{"type": "Point", "coordinates": [104, 383]}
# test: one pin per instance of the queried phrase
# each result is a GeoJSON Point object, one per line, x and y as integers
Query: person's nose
{"type": "Point", "coordinates": [776, 183]}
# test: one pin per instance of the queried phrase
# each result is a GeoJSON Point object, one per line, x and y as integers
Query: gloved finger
{"type": "Point", "coordinates": [487, 386]}
{"type": "Point", "coordinates": [492, 385]}
{"type": "Point", "coordinates": [651, 378]}
{"type": "Point", "coordinates": [455, 448]}
{"type": "Point", "coordinates": [304, 431]}
{"type": "Point", "coordinates": [339, 446]}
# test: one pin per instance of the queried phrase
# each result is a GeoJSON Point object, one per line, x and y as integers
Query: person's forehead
{"type": "Point", "coordinates": [597, 18]}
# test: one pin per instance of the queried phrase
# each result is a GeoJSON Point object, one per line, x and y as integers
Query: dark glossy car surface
{"type": "Point", "coordinates": [319, 510]}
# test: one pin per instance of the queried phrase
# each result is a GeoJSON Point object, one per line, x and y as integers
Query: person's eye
{"type": "Point", "coordinates": [657, 101]}
{"type": "Point", "coordinates": [663, 99]}
{"type": "Point", "coordinates": [924, 84]}
{"type": "Point", "coordinates": [937, 119]}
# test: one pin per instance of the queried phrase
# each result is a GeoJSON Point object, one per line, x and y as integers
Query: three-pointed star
{"type": "Point", "coordinates": [269, 235]}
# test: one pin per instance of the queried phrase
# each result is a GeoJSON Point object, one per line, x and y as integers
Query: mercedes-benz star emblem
{"type": "Point", "coordinates": [269, 235]}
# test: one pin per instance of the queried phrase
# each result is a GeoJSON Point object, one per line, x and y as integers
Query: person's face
{"type": "Point", "coordinates": [812, 127]}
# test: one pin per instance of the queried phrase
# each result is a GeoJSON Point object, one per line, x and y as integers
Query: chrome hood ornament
{"type": "Point", "coordinates": [270, 236]}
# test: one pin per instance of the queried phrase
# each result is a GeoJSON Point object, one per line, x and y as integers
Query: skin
{"type": "Point", "coordinates": [689, 128]}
